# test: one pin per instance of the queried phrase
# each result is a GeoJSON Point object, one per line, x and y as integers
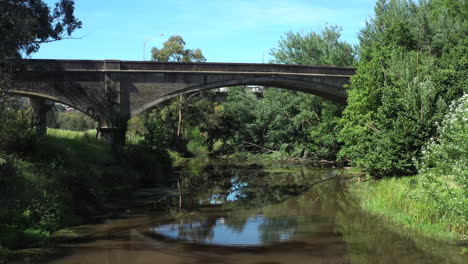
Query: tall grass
{"type": "Point", "coordinates": [400, 201]}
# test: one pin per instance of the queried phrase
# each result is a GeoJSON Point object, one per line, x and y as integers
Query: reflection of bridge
{"type": "Point", "coordinates": [111, 91]}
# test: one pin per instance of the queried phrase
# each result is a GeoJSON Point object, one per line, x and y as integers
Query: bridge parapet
{"type": "Point", "coordinates": [149, 66]}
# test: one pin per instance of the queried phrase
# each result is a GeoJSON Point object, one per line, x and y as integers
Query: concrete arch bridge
{"type": "Point", "coordinates": [112, 91]}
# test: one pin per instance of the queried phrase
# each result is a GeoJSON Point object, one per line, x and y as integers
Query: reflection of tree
{"type": "Point", "coordinates": [277, 229]}
{"type": "Point", "coordinates": [200, 230]}
{"type": "Point", "coordinates": [276, 186]}
{"type": "Point", "coordinates": [236, 220]}
{"type": "Point", "coordinates": [274, 191]}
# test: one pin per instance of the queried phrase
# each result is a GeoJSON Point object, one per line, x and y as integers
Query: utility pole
{"type": "Point", "coordinates": [146, 41]}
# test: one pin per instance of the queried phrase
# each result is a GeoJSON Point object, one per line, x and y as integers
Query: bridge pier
{"type": "Point", "coordinates": [112, 135]}
{"type": "Point", "coordinates": [40, 107]}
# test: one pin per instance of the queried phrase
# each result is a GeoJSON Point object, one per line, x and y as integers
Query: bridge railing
{"type": "Point", "coordinates": [144, 66]}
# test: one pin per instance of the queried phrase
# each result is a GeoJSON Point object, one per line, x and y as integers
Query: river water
{"type": "Point", "coordinates": [232, 213]}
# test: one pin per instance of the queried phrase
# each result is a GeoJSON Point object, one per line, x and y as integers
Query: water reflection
{"type": "Point", "coordinates": [242, 189]}
{"type": "Point", "coordinates": [256, 230]}
{"type": "Point", "coordinates": [258, 214]}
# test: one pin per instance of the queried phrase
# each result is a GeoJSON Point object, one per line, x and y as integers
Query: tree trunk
{"type": "Point", "coordinates": [179, 123]}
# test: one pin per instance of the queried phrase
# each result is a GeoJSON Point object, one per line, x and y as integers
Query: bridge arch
{"type": "Point", "coordinates": [34, 95]}
{"type": "Point", "coordinates": [312, 87]}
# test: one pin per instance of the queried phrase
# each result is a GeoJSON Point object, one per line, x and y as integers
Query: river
{"type": "Point", "coordinates": [222, 212]}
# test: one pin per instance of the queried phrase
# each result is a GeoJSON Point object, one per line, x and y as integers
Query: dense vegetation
{"type": "Point", "coordinates": [412, 65]}
{"type": "Point", "coordinates": [406, 115]}
{"type": "Point", "coordinates": [434, 201]}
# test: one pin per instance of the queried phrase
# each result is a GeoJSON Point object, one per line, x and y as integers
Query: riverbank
{"type": "Point", "coordinates": [401, 203]}
{"type": "Point", "coordinates": [277, 157]}
{"type": "Point", "coordinates": [65, 180]}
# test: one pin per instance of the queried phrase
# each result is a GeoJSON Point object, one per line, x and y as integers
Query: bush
{"type": "Point", "coordinates": [443, 167]}
{"type": "Point", "coordinates": [17, 133]}
{"type": "Point", "coordinates": [75, 121]}
{"type": "Point", "coordinates": [155, 136]}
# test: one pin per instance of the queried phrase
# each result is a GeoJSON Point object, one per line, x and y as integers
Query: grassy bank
{"type": "Point", "coordinates": [403, 204]}
{"type": "Point", "coordinates": [434, 202]}
{"type": "Point", "coordinates": [65, 180]}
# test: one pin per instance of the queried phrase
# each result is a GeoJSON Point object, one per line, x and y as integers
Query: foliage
{"type": "Point", "coordinates": [24, 25]}
{"type": "Point", "coordinates": [314, 49]}
{"type": "Point", "coordinates": [253, 123]}
{"type": "Point", "coordinates": [443, 177]}
{"type": "Point", "coordinates": [136, 129]}
{"type": "Point", "coordinates": [17, 133]}
{"type": "Point", "coordinates": [412, 64]}
{"type": "Point", "coordinates": [174, 50]}
{"type": "Point", "coordinates": [434, 202]}
{"type": "Point", "coordinates": [74, 120]}
{"type": "Point", "coordinates": [155, 135]}
{"type": "Point", "coordinates": [174, 118]}
{"type": "Point", "coordinates": [283, 121]}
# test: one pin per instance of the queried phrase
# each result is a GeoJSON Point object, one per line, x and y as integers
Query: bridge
{"type": "Point", "coordinates": [112, 91]}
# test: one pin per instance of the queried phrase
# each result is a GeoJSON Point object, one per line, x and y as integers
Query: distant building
{"type": "Point", "coordinates": [253, 88]}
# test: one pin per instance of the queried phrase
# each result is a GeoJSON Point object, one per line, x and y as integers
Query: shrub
{"type": "Point", "coordinates": [443, 167]}
{"type": "Point", "coordinates": [17, 133]}
{"type": "Point", "coordinates": [75, 120]}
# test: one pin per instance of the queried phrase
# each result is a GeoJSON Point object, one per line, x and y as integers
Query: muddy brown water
{"type": "Point", "coordinates": [252, 214]}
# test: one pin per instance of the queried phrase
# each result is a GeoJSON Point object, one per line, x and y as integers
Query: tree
{"type": "Point", "coordinates": [174, 51]}
{"type": "Point", "coordinates": [412, 65]}
{"type": "Point", "coordinates": [24, 26]}
{"type": "Point", "coordinates": [314, 49]}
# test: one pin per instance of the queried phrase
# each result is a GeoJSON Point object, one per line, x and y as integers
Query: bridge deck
{"type": "Point", "coordinates": [183, 67]}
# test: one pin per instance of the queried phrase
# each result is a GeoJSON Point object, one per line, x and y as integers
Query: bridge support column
{"type": "Point", "coordinates": [112, 135]}
{"type": "Point", "coordinates": [113, 126]}
{"type": "Point", "coordinates": [40, 107]}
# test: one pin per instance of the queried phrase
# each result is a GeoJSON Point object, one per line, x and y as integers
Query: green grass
{"type": "Point", "coordinates": [400, 201]}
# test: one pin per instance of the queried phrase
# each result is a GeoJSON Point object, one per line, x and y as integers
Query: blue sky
{"type": "Point", "coordinates": [226, 31]}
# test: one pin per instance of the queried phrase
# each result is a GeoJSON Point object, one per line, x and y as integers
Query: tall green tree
{"type": "Point", "coordinates": [174, 50]}
{"type": "Point", "coordinates": [324, 48]}
{"type": "Point", "coordinates": [412, 65]}
{"type": "Point", "coordinates": [173, 114]}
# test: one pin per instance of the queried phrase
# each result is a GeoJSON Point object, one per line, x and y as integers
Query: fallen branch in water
{"type": "Point", "coordinates": [265, 150]}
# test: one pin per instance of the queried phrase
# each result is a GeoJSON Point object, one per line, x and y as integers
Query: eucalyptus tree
{"type": "Point", "coordinates": [174, 50]}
